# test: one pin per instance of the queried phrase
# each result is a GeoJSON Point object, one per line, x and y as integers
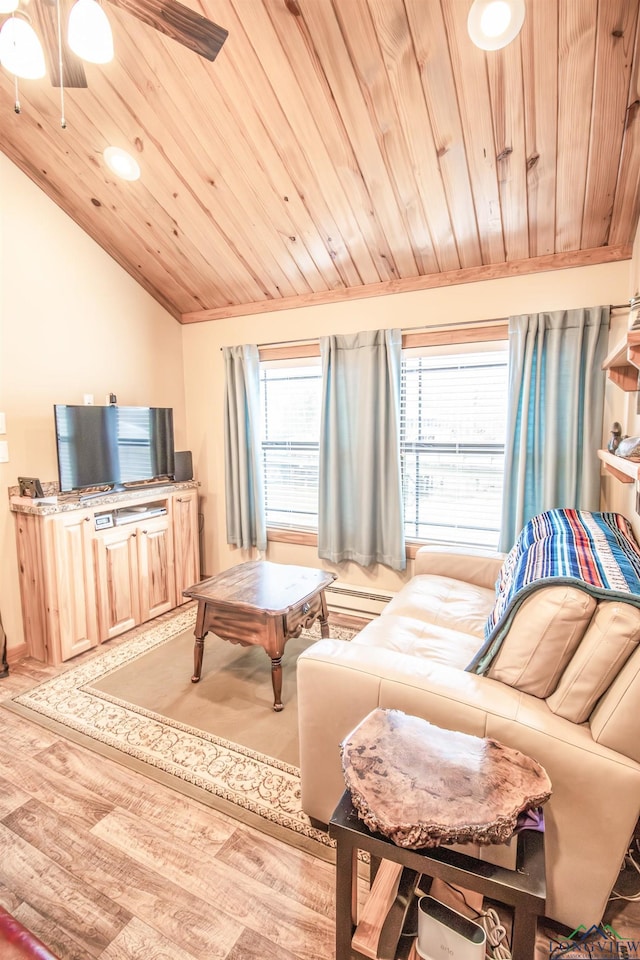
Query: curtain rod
{"type": "Point", "coordinates": [437, 326]}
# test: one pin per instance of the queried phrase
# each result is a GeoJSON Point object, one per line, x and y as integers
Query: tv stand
{"type": "Point", "coordinates": [90, 571]}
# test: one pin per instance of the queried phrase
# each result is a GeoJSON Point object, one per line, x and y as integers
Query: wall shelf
{"type": "Point", "coordinates": [623, 362]}
{"type": "Point", "coordinates": [627, 471]}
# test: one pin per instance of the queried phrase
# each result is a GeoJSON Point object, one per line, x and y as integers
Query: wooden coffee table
{"type": "Point", "coordinates": [260, 604]}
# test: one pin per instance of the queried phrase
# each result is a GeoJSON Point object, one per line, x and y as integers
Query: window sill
{"type": "Point", "coordinates": [412, 547]}
{"type": "Point", "coordinates": [309, 538]}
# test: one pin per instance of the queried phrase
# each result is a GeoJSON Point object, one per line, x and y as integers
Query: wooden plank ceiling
{"type": "Point", "coordinates": [345, 147]}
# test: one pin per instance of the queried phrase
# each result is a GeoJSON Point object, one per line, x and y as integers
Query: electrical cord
{"type": "Point", "coordinates": [496, 934]}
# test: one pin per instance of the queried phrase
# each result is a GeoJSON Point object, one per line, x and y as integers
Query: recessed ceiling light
{"type": "Point", "coordinates": [493, 24]}
{"type": "Point", "coordinates": [122, 163]}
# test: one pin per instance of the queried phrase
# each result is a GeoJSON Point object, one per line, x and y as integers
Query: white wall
{"type": "Point", "coordinates": [71, 322]}
{"type": "Point", "coordinates": [204, 372]}
{"type": "Point", "coordinates": [623, 407]}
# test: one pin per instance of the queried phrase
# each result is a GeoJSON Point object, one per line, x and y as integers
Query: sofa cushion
{"type": "Point", "coordinates": [418, 638]}
{"type": "Point", "coordinates": [614, 722]}
{"type": "Point", "coordinates": [463, 607]}
{"type": "Point", "coordinates": [595, 552]}
{"type": "Point", "coordinates": [611, 638]}
{"type": "Point", "coordinates": [542, 638]}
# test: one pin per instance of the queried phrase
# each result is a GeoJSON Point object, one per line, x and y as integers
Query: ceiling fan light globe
{"type": "Point", "coordinates": [89, 32]}
{"type": "Point", "coordinates": [122, 163]}
{"type": "Point", "coordinates": [8, 6]}
{"type": "Point", "coordinates": [492, 24]}
{"type": "Point", "coordinates": [20, 50]}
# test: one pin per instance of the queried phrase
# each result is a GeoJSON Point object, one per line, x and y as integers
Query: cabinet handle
{"type": "Point", "coordinates": [145, 532]}
{"type": "Point", "coordinates": [87, 519]}
{"type": "Point", "coordinates": [180, 499]}
{"type": "Point", "coordinates": [135, 533]}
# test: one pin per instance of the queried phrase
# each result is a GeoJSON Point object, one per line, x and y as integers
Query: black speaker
{"type": "Point", "coordinates": [183, 465]}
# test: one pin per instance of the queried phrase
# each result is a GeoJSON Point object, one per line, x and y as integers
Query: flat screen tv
{"type": "Point", "coordinates": [100, 446]}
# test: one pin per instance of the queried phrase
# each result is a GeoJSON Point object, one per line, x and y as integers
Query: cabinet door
{"type": "Point", "coordinates": [156, 575]}
{"type": "Point", "coordinates": [117, 566]}
{"type": "Point", "coordinates": [33, 588]}
{"type": "Point", "coordinates": [74, 622]}
{"type": "Point", "coordinates": [186, 546]}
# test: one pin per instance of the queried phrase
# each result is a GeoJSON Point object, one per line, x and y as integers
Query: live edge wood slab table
{"type": "Point", "coordinates": [260, 603]}
{"type": "Point", "coordinates": [413, 787]}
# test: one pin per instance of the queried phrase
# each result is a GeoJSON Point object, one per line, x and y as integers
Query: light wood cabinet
{"type": "Point", "coordinates": [117, 580]}
{"type": "Point", "coordinates": [185, 541]}
{"type": "Point", "coordinates": [57, 584]}
{"type": "Point", "coordinates": [136, 579]}
{"type": "Point", "coordinates": [156, 572]}
{"type": "Point", "coordinates": [73, 575]}
{"type": "Point", "coordinates": [89, 574]}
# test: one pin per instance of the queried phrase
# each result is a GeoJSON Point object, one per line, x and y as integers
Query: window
{"type": "Point", "coordinates": [291, 394]}
{"type": "Point", "coordinates": [453, 427]}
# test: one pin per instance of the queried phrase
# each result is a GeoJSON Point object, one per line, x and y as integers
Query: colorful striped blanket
{"type": "Point", "coordinates": [596, 552]}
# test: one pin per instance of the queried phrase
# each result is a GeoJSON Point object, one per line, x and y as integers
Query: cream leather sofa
{"type": "Point", "coordinates": [564, 689]}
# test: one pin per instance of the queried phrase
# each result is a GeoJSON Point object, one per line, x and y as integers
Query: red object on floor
{"type": "Point", "coordinates": [18, 943]}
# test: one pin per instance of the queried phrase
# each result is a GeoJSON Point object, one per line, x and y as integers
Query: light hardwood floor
{"type": "Point", "coordinates": [100, 862]}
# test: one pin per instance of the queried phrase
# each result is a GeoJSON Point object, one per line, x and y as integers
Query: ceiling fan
{"type": "Point", "coordinates": [170, 17]}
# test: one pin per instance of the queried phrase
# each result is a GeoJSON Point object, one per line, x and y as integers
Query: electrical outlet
{"type": "Point", "coordinates": [88, 399]}
{"type": "Point", "coordinates": [4, 451]}
{"type": "Point", "coordinates": [3, 423]}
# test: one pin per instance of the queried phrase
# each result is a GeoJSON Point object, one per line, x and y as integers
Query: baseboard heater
{"type": "Point", "coordinates": [356, 601]}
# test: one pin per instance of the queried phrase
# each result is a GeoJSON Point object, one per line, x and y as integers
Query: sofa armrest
{"type": "Point", "coordinates": [339, 683]}
{"type": "Point", "coordinates": [470, 564]}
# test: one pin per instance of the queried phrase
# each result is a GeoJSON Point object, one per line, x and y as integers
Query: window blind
{"type": "Point", "coordinates": [453, 425]}
{"type": "Point", "coordinates": [291, 398]}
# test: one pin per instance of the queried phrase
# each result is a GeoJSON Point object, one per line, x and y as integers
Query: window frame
{"type": "Point", "coordinates": [289, 534]}
{"type": "Point", "coordinates": [470, 333]}
{"type": "Point", "coordinates": [444, 456]}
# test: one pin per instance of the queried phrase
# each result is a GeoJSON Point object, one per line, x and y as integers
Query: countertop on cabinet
{"type": "Point", "coordinates": [55, 503]}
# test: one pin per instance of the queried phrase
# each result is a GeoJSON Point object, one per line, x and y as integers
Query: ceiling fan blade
{"type": "Point", "coordinates": [180, 23]}
{"type": "Point", "coordinates": [72, 69]}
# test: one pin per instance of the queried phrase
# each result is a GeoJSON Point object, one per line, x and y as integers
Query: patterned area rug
{"type": "Point", "coordinates": [251, 786]}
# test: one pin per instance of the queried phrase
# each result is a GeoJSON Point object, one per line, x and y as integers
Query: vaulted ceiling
{"type": "Point", "coordinates": [340, 147]}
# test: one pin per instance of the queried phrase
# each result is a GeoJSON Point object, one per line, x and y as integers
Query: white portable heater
{"type": "Point", "coordinates": [444, 934]}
